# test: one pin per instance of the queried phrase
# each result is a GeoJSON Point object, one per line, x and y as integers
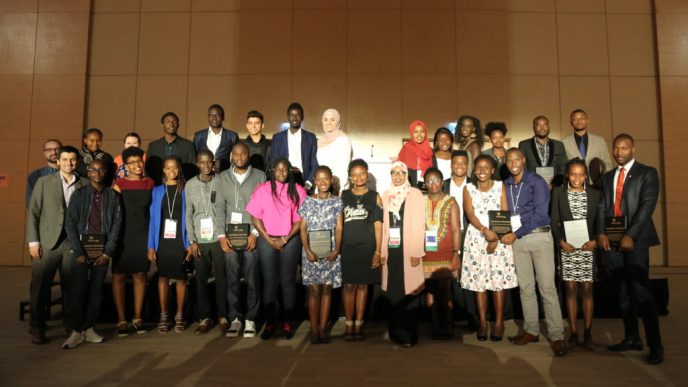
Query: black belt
{"type": "Point", "coordinates": [540, 229]}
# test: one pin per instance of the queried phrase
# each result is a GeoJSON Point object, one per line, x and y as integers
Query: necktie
{"type": "Point", "coordinates": [619, 193]}
{"type": "Point", "coordinates": [581, 149]}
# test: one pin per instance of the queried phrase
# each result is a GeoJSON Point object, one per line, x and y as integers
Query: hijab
{"type": "Point", "coordinates": [417, 156]}
{"type": "Point", "coordinates": [397, 193]}
{"type": "Point", "coordinates": [330, 137]}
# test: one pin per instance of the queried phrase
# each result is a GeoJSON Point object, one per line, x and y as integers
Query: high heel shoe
{"type": "Point", "coordinates": [495, 330]}
{"type": "Point", "coordinates": [481, 334]}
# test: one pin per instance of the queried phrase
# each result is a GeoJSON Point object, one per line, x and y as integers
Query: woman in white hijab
{"type": "Point", "coordinates": [334, 149]}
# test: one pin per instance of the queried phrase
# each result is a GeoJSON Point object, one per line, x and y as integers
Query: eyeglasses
{"type": "Point", "coordinates": [398, 173]}
{"type": "Point", "coordinates": [96, 170]}
{"type": "Point", "coordinates": [433, 181]}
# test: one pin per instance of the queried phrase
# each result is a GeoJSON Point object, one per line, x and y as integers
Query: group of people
{"type": "Point", "coordinates": [254, 210]}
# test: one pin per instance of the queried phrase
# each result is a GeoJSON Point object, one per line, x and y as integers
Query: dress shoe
{"type": "Point", "coordinates": [203, 327]}
{"type": "Point", "coordinates": [224, 325]}
{"type": "Point", "coordinates": [625, 345]}
{"type": "Point", "coordinates": [656, 355]}
{"type": "Point", "coordinates": [38, 336]}
{"type": "Point", "coordinates": [559, 347]}
{"type": "Point", "coordinates": [524, 338]}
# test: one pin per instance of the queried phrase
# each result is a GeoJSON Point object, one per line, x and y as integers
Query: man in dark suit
{"type": "Point", "coordinates": [544, 155]}
{"type": "Point", "coordinates": [631, 191]}
{"type": "Point", "coordinates": [170, 145]}
{"type": "Point", "coordinates": [298, 145]}
{"type": "Point", "coordinates": [216, 138]}
{"type": "Point", "coordinates": [45, 233]}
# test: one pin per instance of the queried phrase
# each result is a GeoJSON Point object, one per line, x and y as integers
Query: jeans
{"type": "Point", "coordinates": [87, 280]}
{"type": "Point", "coordinates": [247, 262]}
{"type": "Point", "coordinates": [278, 271]}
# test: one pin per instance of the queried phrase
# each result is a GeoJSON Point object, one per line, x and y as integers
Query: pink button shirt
{"type": "Point", "coordinates": [278, 212]}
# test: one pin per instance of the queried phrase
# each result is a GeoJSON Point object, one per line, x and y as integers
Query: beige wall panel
{"type": "Point", "coordinates": [675, 173]}
{"type": "Point", "coordinates": [265, 4]}
{"type": "Point", "coordinates": [430, 98]}
{"type": "Point", "coordinates": [374, 4]}
{"type": "Point", "coordinates": [215, 43]}
{"type": "Point", "coordinates": [374, 44]}
{"type": "Point", "coordinates": [428, 42]}
{"type": "Point", "coordinates": [374, 105]}
{"type": "Point", "coordinates": [57, 106]}
{"type": "Point", "coordinates": [15, 106]}
{"type": "Point", "coordinates": [650, 153]}
{"type": "Point", "coordinates": [111, 104]}
{"type": "Point", "coordinates": [532, 44]}
{"type": "Point", "coordinates": [629, 6]}
{"type": "Point", "coordinates": [114, 43]}
{"type": "Point", "coordinates": [18, 34]}
{"type": "Point", "coordinates": [13, 159]}
{"type": "Point", "coordinates": [427, 4]}
{"type": "Point", "coordinates": [322, 41]}
{"type": "Point", "coordinates": [214, 5]}
{"type": "Point", "coordinates": [582, 44]}
{"type": "Point", "coordinates": [671, 6]}
{"type": "Point", "coordinates": [19, 6]}
{"type": "Point", "coordinates": [164, 44]}
{"type": "Point", "coordinates": [634, 107]}
{"type": "Point", "coordinates": [156, 95]}
{"type": "Point", "coordinates": [531, 96]}
{"type": "Point", "coordinates": [61, 43]}
{"type": "Point", "coordinates": [487, 97]}
{"type": "Point", "coordinates": [319, 4]}
{"type": "Point", "coordinates": [677, 243]}
{"type": "Point", "coordinates": [165, 5]}
{"type": "Point", "coordinates": [12, 231]}
{"type": "Point", "coordinates": [261, 51]}
{"type": "Point", "coordinates": [674, 91]}
{"type": "Point", "coordinates": [590, 94]}
{"type": "Point", "coordinates": [316, 93]}
{"type": "Point", "coordinates": [116, 5]}
{"type": "Point", "coordinates": [482, 50]}
{"type": "Point", "coordinates": [270, 95]}
{"type": "Point", "coordinates": [64, 5]}
{"type": "Point", "coordinates": [672, 35]}
{"type": "Point", "coordinates": [587, 6]}
{"type": "Point", "coordinates": [631, 45]}
{"type": "Point", "coordinates": [205, 90]}
{"type": "Point", "coordinates": [114, 146]}
{"type": "Point", "coordinates": [511, 5]}
{"type": "Point", "coordinates": [657, 253]}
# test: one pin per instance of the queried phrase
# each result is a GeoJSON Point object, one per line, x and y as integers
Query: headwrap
{"type": "Point", "coordinates": [414, 155]}
{"type": "Point", "coordinates": [329, 137]}
{"type": "Point", "coordinates": [397, 193]}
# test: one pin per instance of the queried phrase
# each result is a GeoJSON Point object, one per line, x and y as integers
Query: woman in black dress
{"type": "Point", "coordinates": [130, 258]}
{"type": "Point", "coordinates": [362, 233]}
{"type": "Point", "coordinates": [168, 245]}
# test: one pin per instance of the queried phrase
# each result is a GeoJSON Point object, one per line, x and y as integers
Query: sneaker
{"type": "Point", "coordinates": [92, 336]}
{"type": "Point", "coordinates": [250, 329]}
{"type": "Point", "coordinates": [73, 341]}
{"type": "Point", "coordinates": [268, 332]}
{"type": "Point", "coordinates": [287, 331]}
{"type": "Point", "coordinates": [234, 328]}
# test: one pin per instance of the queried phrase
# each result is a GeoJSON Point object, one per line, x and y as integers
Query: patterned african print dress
{"type": "Point", "coordinates": [578, 265]}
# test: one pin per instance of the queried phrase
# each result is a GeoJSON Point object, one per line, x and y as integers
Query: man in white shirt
{"type": "Point", "coordinates": [298, 146]}
{"type": "Point", "coordinates": [216, 138]}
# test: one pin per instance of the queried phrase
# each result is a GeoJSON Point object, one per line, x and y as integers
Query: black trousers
{"type": "Point", "coordinates": [630, 275]}
{"type": "Point", "coordinates": [212, 258]}
{"type": "Point", "coordinates": [403, 320]}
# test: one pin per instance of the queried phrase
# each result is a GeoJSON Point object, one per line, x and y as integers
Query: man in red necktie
{"type": "Point", "coordinates": [631, 190]}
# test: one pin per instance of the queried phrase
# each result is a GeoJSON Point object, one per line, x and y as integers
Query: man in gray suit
{"type": "Point", "coordinates": [586, 145]}
{"type": "Point", "coordinates": [544, 156]}
{"type": "Point", "coordinates": [47, 238]}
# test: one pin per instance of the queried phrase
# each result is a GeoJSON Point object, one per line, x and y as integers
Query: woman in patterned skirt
{"type": "Point", "coordinates": [576, 202]}
{"type": "Point", "coordinates": [322, 211]}
{"type": "Point", "coordinates": [487, 263]}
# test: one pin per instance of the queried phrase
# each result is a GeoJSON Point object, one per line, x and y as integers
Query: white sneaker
{"type": "Point", "coordinates": [73, 340]}
{"type": "Point", "coordinates": [234, 328]}
{"type": "Point", "coordinates": [92, 336]}
{"type": "Point", "coordinates": [250, 329]}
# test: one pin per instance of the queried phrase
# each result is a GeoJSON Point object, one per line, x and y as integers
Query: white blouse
{"type": "Point", "coordinates": [337, 156]}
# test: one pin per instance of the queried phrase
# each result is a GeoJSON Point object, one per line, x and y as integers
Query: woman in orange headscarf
{"type": "Point", "coordinates": [416, 153]}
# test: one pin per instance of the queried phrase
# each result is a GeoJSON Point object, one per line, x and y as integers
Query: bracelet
{"type": "Point", "coordinates": [285, 241]}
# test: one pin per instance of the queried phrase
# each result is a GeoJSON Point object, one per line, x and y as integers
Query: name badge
{"type": "Point", "coordinates": [431, 240]}
{"type": "Point", "coordinates": [419, 175]}
{"type": "Point", "coordinates": [235, 218]}
{"type": "Point", "coordinates": [515, 222]}
{"type": "Point", "coordinates": [207, 229]}
{"type": "Point", "coordinates": [394, 238]}
{"type": "Point", "coordinates": [170, 231]}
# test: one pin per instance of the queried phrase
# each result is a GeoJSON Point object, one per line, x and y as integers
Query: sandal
{"type": "Point", "coordinates": [179, 323]}
{"type": "Point", "coordinates": [349, 334]}
{"type": "Point", "coordinates": [358, 330]}
{"type": "Point", "coordinates": [122, 329]}
{"type": "Point", "coordinates": [137, 324]}
{"type": "Point", "coordinates": [164, 324]}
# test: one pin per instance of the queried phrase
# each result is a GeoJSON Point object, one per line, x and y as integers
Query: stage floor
{"type": "Point", "coordinates": [187, 359]}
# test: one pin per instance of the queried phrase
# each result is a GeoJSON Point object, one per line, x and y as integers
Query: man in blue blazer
{"type": "Point", "coordinates": [631, 190]}
{"type": "Point", "coordinates": [297, 145]}
{"type": "Point", "coordinates": [216, 138]}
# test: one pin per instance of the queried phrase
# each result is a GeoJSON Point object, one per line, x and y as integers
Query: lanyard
{"type": "Point", "coordinates": [206, 204]}
{"type": "Point", "coordinates": [518, 194]}
{"type": "Point", "coordinates": [170, 208]}
{"type": "Point", "coordinates": [543, 158]}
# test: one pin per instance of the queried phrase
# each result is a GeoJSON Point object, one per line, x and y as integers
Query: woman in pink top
{"type": "Point", "coordinates": [274, 209]}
